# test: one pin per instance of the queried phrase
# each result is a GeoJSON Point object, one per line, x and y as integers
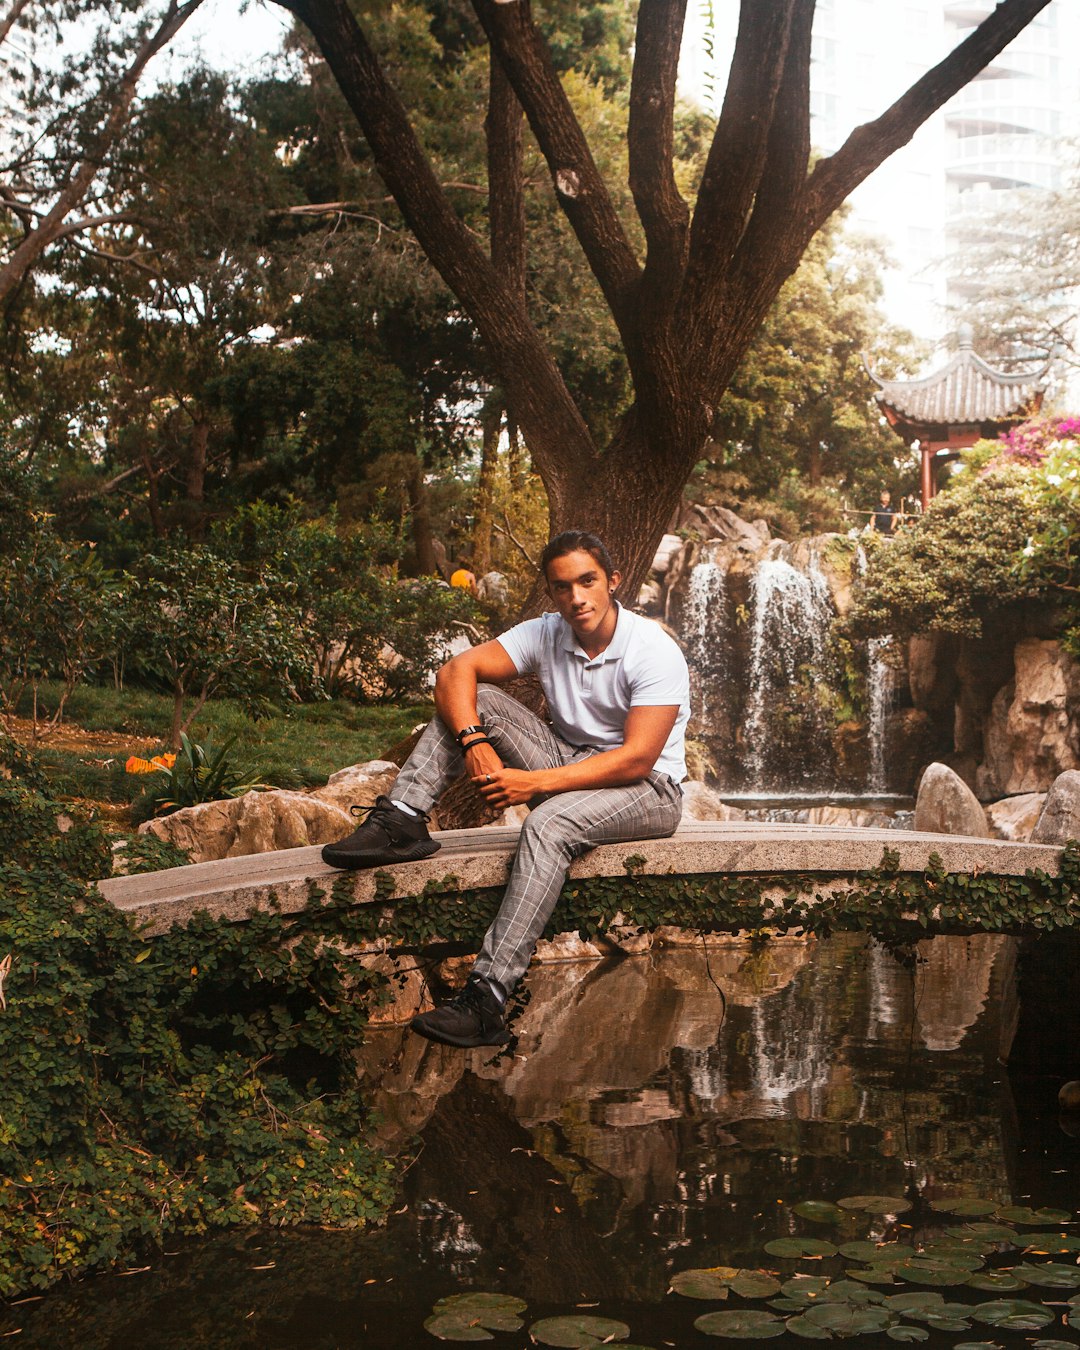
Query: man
{"type": "Point", "coordinates": [884, 513]}
{"type": "Point", "coordinates": [607, 768]}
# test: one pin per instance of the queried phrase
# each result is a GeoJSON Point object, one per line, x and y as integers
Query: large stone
{"type": "Point", "coordinates": [358, 784]}
{"type": "Point", "coordinates": [702, 803]}
{"type": "Point", "coordinates": [665, 552]}
{"type": "Point", "coordinates": [1033, 731]}
{"type": "Point", "coordinates": [1015, 817]}
{"type": "Point", "coordinates": [946, 805]}
{"type": "Point", "coordinates": [1059, 820]}
{"type": "Point", "coordinates": [857, 817]}
{"type": "Point", "coordinates": [257, 822]}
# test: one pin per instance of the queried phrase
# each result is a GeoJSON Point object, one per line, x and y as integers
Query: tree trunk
{"type": "Point", "coordinates": [491, 429]}
{"type": "Point", "coordinates": [420, 514]}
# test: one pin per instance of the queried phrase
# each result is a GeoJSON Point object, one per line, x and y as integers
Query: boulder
{"type": "Point", "coordinates": [717, 522]}
{"type": "Point", "coordinates": [702, 803]}
{"type": "Point", "coordinates": [946, 805]}
{"type": "Point", "coordinates": [1059, 820]}
{"type": "Point", "coordinates": [1015, 817]}
{"type": "Point", "coordinates": [358, 784]}
{"type": "Point", "coordinates": [493, 589]}
{"type": "Point", "coordinates": [1033, 732]}
{"type": "Point", "coordinates": [650, 598]}
{"type": "Point", "coordinates": [257, 822]}
{"type": "Point", "coordinates": [666, 550]}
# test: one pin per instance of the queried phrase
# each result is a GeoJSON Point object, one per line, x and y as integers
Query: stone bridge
{"type": "Point", "coordinates": [479, 859]}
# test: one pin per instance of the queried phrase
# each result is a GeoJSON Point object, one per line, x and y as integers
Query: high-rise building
{"type": "Point", "coordinates": [1000, 136]}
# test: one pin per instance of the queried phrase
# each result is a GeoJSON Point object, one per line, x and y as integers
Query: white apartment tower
{"type": "Point", "coordinates": [1000, 135]}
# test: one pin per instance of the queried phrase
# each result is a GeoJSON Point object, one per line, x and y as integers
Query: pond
{"type": "Point", "coordinates": [662, 1114]}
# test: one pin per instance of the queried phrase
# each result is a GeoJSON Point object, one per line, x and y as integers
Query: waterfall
{"type": "Point", "coordinates": [792, 614]}
{"type": "Point", "coordinates": [703, 627]}
{"type": "Point", "coordinates": [880, 700]}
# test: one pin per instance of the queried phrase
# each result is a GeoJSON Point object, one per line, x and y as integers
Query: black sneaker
{"type": "Point", "coordinates": [473, 1017]}
{"type": "Point", "coordinates": [389, 835]}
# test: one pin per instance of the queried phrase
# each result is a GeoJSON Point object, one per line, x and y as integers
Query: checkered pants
{"type": "Point", "coordinates": [562, 827]}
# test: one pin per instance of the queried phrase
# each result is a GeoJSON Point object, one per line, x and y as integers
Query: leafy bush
{"type": "Point", "coordinates": [199, 773]}
{"type": "Point", "coordinates": [958, 565]}
{"type": "Point", "coordinates": [202, 629]}
{"type": "Point", "coordinates": [372, 634]}
{"type": "Point", "coordinates": [55, 614]}
{"type": "Point", "coordinates": [203, 1079]}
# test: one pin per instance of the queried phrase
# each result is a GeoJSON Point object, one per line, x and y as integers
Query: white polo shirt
{"type": "Point", "coordinates": [588, 699]}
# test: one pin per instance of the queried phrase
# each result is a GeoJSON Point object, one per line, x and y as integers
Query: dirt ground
{"type": "Point", "coordinates": [91, 745]}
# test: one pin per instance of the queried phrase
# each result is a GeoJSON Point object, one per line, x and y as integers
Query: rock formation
{"type": "Point", "coordinates": [1059, 820]}
{"type": "Point", "coordinates": [946, 805]}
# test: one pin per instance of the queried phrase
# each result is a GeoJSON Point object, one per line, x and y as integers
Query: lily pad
{"type": "Point", "coordinates": [480, 1303]}
{"type": "Point", "coordinates": [932, 1271]}
{"type": "Point", "coordinates": [876, 1252]}
{"type": "Point", "coordinates": [992, 1232]}
{"type": "Point", "coordinates": [456, 1326]}
{"type": "Point", "coordinates": [818, 1211]}
{"type": "Point", "coordinates": [711, 1283]}
{"type": "Point", "coordinates": [1051, 1243]}
{"type": "Point", "coordinates": [809, 1331]}
{"type": "Point", "coordinates": [843, 1320]}
{"type": "Point", "coordinates": [805, 1286]}
{"type": "Point", "coordinates": [872, 1275]}
{"type": "Point", "coordinates": [789, 1305]}
{"type": "Point", "coordinates": [848, 1291]}
{"type": "Point", "coordinates": [800, 1247]}
{"type": "Point", "coordinates": [755, 1284]}
{"type": "Point", "coordinates": [1022, 1214]}
{"type": "Point", "coordinates": [908, 1334]}
{"type": "Point", "coordinates": [914, 1301]}
{"type": "Point", "coordinates": [875, 1204]}
{"type": "Point", "coordinates": [577, 1332]}
{"type": "Point", "coordinates": [996, 1281]}
{"type": "Point", "coordinates": [1049, 1276]}
{"type": "Point", "coordinates": [968, 1208]}
{"type": "Point", "coordinates": [1013, 1314]}
{"type": "Point", "coordinates": [1054, 1345]}
{"type": "Point", "coordinates": [960, 1257]}
{"type": "Point", "coordinates": [742, 1324]}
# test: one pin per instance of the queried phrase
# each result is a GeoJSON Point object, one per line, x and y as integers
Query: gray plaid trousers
{"type": "Point", "coordinates": [562, 827]}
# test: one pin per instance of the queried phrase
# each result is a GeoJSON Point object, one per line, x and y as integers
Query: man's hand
{"type": "Point", "coordinates": [481, 760]}
{"type": "Point", "coordinates": [507, 787]}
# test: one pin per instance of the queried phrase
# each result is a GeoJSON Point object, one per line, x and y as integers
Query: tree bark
{"type": "Point", "coordinates": [490, 431]}
{"type": "Point", "coordinates": [420, 514]}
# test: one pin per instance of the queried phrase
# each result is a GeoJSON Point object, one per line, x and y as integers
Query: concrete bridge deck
{"type": "Point", "coordinates": [232, 887]}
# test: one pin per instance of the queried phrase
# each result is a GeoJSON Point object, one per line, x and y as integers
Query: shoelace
{"type": "Point", "coordinates": [384, 813]}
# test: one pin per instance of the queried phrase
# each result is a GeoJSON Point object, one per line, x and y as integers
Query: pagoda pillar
{"type": "Point", "coordinates": [926, 475]}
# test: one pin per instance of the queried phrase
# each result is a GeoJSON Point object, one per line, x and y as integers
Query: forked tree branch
{"type": "Point", "coordinates": [736, 159]}
{"type": "Point", "coordinates": [871, 144]}
{"type": "Point", "coordinates": [650, 142]}
{"type": "Point", "coordinates": [579, 187]}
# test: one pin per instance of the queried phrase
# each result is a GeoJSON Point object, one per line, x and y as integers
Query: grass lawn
{"type": "Point", "coordinates": [298, 747]}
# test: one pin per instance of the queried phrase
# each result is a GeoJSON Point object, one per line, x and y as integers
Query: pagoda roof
{"type": "Point", "coordinates": [966, 391]}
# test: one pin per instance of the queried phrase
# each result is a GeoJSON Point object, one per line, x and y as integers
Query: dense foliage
{"type": "Point", "coordinates": [1005, 530]}
{"type": "Point", "coordinates": [200, 1080]}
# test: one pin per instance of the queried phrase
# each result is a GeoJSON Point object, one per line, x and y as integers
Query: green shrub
{"type": "Point", "coordinates": [200, 773]}
{"type": "Point", "coordinates": [957, 566]}
{"type": "Point", "coordinates": [200, 1080]}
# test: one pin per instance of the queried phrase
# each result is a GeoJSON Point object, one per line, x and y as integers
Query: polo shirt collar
{"type": "Point", "coordinates": [615, 649]}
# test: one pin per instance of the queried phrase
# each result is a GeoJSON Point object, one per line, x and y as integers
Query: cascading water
{"type": "Point", "coordinates": [703, 626]}
{"type": "Point", "coordinates": [880, 701]}
{"type": "Point", "coordinates": [792, 613]}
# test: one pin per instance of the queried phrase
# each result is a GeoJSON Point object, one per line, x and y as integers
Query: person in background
{"type": "Point", "coordinates": [462, 577]}
{"type": "Point", "coordinates": [608, 767]}
{"type": "Point", "coordinates": [884, 513]}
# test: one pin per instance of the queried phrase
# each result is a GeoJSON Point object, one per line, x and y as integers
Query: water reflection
{"type": "Point", "coordinates": [644, 1122]}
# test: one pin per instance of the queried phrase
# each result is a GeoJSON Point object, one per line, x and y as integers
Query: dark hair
{"type": "Point", "coordinates": [576, 541]}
